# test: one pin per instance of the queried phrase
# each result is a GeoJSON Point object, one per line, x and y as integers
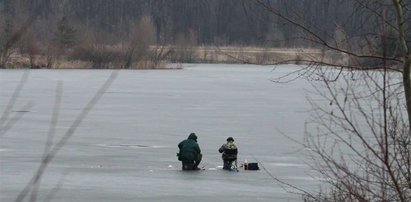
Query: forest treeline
{"type": "Point", "coordinates": [134, 25]}
{"type": "Point", "coordinates": [233, 22]}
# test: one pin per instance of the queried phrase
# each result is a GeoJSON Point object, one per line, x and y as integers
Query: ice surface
{"type": "Point", "coordinates": [125, 150]}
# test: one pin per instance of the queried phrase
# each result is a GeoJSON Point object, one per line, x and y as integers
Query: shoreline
{"type": "Point", "coordinates": [186, 54]}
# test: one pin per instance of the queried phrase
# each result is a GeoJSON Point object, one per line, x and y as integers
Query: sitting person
{"type": "Point", "coordinates": [229, 151]}
{"type": "Point", "coordinates": [190, 153]}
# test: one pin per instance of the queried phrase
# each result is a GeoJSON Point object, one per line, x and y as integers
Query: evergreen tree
{"type": "Point", "coordinates": [65, 35]}
{"type": "Point", "coordinates": [6, 31]}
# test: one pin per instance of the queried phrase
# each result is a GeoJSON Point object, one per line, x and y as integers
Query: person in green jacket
{"type": "Point", "coordinates": [229, 153]}
{"type": "Point", "coordinates": [190, 153]}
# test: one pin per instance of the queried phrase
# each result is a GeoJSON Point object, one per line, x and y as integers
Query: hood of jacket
{"type": "Point", "coordinates": [192, 136]}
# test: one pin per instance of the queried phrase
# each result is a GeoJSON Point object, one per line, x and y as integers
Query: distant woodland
{"type": "Point", "coordinates": [124, 31]}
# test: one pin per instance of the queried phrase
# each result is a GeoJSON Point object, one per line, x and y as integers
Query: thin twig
{"type": "Point", "coordinates": [13, 99]}
{"type": "Point", "coordinates": [50, 135]}
{"type": "Point", "coordinates": [56, 148]}
{"type": "Point", "coordinates": [14, 119]}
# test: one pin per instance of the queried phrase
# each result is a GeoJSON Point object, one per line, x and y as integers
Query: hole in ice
{"type": "Point", "coordinates": [133, 145]}
{"type": "Point", "coordinates": [21, 111]}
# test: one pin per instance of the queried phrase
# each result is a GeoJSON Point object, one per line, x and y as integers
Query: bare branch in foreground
{"type": "Point", "coordinates": [69, 133]}
{"type": "Point", "coordinates": [50, 135]}
{"type": "Point", "coordinates": [13, 120]}
{"type": "Point", "coordinates": [13, 99]}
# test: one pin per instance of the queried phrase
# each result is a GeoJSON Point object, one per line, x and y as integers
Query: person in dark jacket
{"type": "Point", "coordinates": [190, 153]}
{"type": "Point", "coordinates": [229, 153]}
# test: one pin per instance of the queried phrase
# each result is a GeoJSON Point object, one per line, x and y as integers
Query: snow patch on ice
{"type": "Point", "coordinates": [3, 150]}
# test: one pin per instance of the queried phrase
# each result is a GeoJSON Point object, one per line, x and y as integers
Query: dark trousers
{"type": "Point", "coordinates": [228, 163]}
{"type": "Point", "coordinates": [191, 165]}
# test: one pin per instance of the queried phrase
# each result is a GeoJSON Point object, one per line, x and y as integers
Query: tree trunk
{"type": "Point", "coordinates": [407, 58]}
{"type": "Point", "coordinates": [407, 87]}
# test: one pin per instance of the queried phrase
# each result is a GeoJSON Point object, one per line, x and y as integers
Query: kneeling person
{"type": "Point", "coordinates": [190, 153]}
{"type": "Point", "coordinates": [229, 151]}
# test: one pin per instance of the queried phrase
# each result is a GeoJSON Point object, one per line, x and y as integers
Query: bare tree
{"type": "Point", "coordinates": [21, 30]}
{"type": "Point", "coordinates": [6, 32]}
{"type": "Point", "coordinates": [402, 23]}
{"type": "Point", "coordinates": [185, 47]}
{"type": "Point", "coordinates": [360, 144]}
{"type": "Point", "coordinates": [29, 45]}
{"type": "Point", "coordinates": [140, 37]}
{"type": "Point", "coordinates": [362, 141]}
{"type": "Point", "coordinates": [159, 54]}
{"type": "Point", "coordinates": [96, 47]}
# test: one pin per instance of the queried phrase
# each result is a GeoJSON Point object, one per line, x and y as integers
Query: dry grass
{"type": "Point", "coordinates": [260, 55]}
{"type": "Point", "coordinates": [18, 60]}
{"type": "Point", "coordinates": [200, 54]}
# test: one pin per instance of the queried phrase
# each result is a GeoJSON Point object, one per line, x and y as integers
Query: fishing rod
{"type": "Point", "coordinates": [204, 165]}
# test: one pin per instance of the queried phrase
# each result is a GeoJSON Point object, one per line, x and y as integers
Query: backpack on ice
{"type": "Point", "coordinates": [253, 166]}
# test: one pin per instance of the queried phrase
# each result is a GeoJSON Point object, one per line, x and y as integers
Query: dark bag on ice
{"type": "Point", "coordinates": [253, 166]}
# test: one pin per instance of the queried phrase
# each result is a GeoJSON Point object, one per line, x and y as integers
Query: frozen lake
{"type": "Point", "coordinates": [125, 149]}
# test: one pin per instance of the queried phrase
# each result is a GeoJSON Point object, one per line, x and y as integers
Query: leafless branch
{"type": "Point", "coordinates": [50, 135]}
{"type": "Point", "coordinates": [68, 134]}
